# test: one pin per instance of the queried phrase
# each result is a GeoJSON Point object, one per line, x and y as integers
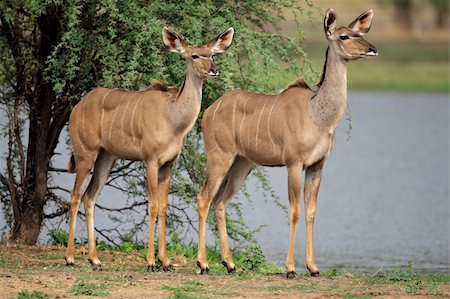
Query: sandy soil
{"type": "Point", "coordinates": [42, 268]}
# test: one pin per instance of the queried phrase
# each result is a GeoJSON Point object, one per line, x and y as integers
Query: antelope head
{"type": "Point", "coordinates": [199, 59]}
{"type": "Point", "coordinates": [348, 42]}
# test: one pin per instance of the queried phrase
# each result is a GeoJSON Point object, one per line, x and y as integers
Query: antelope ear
{"type": "Point", "coordinates": [221, 42]}
{"type": "Point", "coordinates": [362, 23]}
{"type": "Point", "coordinates": [329, 23]}
{"type": "Point", "coordinates": [174, 42]}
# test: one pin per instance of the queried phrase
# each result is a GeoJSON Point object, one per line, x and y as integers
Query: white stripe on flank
{"type": "Point", "coordinates": [215, 110]}
{"type": "Point", "coordinates": [112, 121]}
{"type": "Point", "coordinates": [122, 131]}
{"type": "Point", "coordinates": [257, 126]}
{"type": "Point", "coordinates": [132, 118]}
{"type": "Point", "coordinates": [268, 123]}
{"type": "Point", "coordinates": [233, 120]}
{"type": "Point", "coordinates": [214, 126]}
{"type": "Point", "coordinates": [240, 128]}
{"type": "Point", "coordinates": [83, 148]}
{"type": "Point", "coordinates": [103, 113]}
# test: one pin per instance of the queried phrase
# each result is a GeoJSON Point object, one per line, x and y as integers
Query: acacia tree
{"type": "Point", "coordinates": [52, 52]}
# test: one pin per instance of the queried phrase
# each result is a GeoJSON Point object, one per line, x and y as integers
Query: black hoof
{"type": "Point", "coordinates": [230, 270]}
{"type": "Point", "coordinates": [202, 271]}
{"type": "Point", "coordinates": [313, 274]}
{"type": "Point", "coordinates": [69, 264]}
{"type": "Point", "coordinates": [94, 266]}
{"type": "Point", "coordinates": [167, 268]}
{"type": "Point", "coordinates": [291, 274]}
{"type": "Point", "coordinates": [151, 268]}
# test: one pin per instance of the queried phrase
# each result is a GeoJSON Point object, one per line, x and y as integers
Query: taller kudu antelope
{"type": "Point", "coordinates": [149, 126]}
{"type": "Point", "coordinates": [295, 128]}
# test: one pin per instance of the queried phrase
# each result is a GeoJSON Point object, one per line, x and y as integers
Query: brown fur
{"type": "Point", "coordinates": [71, 167]}
{"type": "Point", "coordinates": [300, 82]}
{"type": "Point", "coordinates": [158, 85]}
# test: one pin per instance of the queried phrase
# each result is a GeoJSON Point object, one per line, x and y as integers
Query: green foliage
{"type": "Point", "coordinates": [330, 273]}
{"type": "Point", "coordinates": [186, 290]}
{"type": "Point", "coordinates": [252, 258]}
{"type": "Point", "coordinates": [82, 287]}
{"type": "Point", "coordinates": [25, 294]}
{"type": "Point", "coordinates": [119, 44]}
{"type": "Point", "coordinates": [58, 237]}
{"type": "Point", "coordinates": [409, 280]}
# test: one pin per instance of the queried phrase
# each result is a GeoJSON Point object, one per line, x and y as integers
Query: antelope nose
{"type": "Point", "coordinates": [213, 71]}
{"type": "Point", "coordinates": [373, 51]}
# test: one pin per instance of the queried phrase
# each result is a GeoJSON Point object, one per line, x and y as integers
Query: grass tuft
{"type": "Point", "coordinates": [25, 294]}
{"type": "Point", "coordinates": [82, 287]}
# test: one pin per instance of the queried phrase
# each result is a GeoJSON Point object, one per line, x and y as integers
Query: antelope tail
{"type": "Point", "coordinates": [71, 167]}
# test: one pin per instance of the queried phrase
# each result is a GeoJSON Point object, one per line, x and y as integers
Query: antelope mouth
{"type": "Point", "coordinates": [371, 54]}
{"type": "Point", "coordinates": [213, 74]}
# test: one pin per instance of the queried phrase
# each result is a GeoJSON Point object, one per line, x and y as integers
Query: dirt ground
{"type": "Point", "coordinates": [41, 269]}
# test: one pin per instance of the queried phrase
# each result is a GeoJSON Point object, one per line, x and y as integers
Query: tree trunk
{"type": "Point", "coordinates": [27, 228]}
{"type": "Point", "coordinates": [42, 129]}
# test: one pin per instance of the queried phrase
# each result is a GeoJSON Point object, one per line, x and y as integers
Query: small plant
{"type": "Point", "coordinates": [82, 287]}
{"type": "Point", "coordinates": [25, 294]}
{"type": "Point", "coordinates": [332, 273]}
{"type": "Point", "coordinates": [58, 237]}
{"type": "Point", "coordinates": [185, 290]}
{"type": "Point", "coordinates": [102, 245]}
{"type": "Point", "coordinates": [252, 258]}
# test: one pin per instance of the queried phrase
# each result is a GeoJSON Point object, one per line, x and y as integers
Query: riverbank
{"type": "Point", "coordinates": [40, 272]}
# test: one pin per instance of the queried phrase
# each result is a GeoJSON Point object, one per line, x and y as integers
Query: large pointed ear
{"type": "Point", "coordinates": [222, 42]}
{"type": "Point", "coordinates": [173, 41]}
{"type": "Point", "coordinates": [329, 23]}
{"type": "Point", "coordinates": [362, 23]}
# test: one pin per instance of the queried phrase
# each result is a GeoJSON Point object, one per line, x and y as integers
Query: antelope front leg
{"type": "Point", "coordinates": [152, 189]}
{"type": "Point", "coordinates": [203, 202]}
{"type": "Point", "coordinates": [227, 259]}
{"type": "Point", "coordinates": [163, 200]}
{"type": "Point", "coordinates": [313, 177]}
{"type": "Point", "coordinates": [294, 186]}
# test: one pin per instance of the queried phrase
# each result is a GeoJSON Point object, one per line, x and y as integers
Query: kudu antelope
{"type": "Point", "coordinates": [295, 128]}
{"type": "Point", "coordinates": [149, 126]}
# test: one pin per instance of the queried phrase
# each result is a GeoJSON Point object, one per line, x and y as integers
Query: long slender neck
{"type": "Point", "coordinates": [329, 103]}
{"type": "Point", "coordinates": [184, 110]}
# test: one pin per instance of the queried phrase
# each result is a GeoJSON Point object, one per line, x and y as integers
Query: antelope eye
{"type": "Point", "coordinates": [343, 37]}
{"type": "Point", "coordinates": [195, 56]}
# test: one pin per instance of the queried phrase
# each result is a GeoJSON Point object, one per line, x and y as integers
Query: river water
{"type": "Point", "coordinates": [384, 197]}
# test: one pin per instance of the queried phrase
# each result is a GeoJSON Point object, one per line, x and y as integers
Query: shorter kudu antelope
{"type": "Point", "coordinates": [295, 128]}
{"type": "Point", "coordinates": [149, 126]}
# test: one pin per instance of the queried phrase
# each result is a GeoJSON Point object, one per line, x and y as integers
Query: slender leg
{"type": "Point", "coordinates": [152, 189]}
{"type": "Point", "coordinates": [236, 176]}
{"type": "Point", "coordinates": [82, 171]}
{"type": "Point", "coordinates": [163, 188]}
{"type": "Point", "coordinates": [294, 186]}
{"type": "Point", "coordinates": [313, 176]}
{"type": "Point", "coordinates": [102, 168]}
{"type": "Point", "coordinates": [215, 173]}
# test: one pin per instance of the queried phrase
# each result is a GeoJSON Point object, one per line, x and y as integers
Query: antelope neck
{"type": "Point", "coordinates": [330, 100]}
{"type": "Point", "coordinates": [185, 109]}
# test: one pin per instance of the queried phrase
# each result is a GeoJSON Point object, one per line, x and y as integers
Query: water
{"type": "Point", "coordinates": [384, 197]}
